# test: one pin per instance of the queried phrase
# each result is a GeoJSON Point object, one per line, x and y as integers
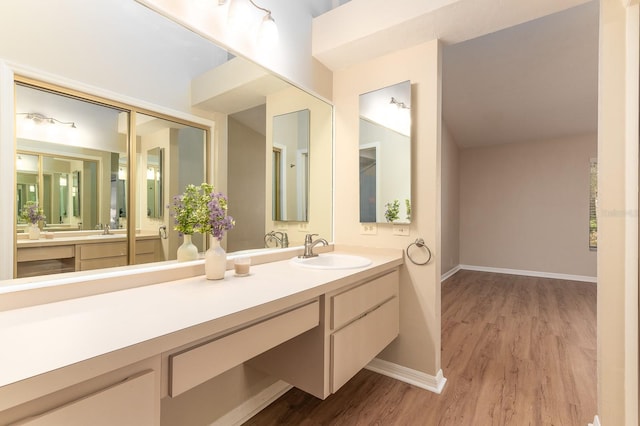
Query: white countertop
{"type": "Point", "coordinates": [42, 338]}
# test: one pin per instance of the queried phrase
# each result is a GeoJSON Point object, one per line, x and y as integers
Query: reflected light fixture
{"type": "Point", "coordinates": [42, 119]}
{"type": "Point", "coordinates": [399, 104]}
{"type": "Point", "coordinates": [268, 31]}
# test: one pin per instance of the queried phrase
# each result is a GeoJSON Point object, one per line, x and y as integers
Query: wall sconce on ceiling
{"type": "Point", "coordinates": [42, 119]}
{"type": "Point", "coordinates": [239, 10]}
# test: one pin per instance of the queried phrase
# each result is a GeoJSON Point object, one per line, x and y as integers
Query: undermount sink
{"type": "Point", "coordinates": [101, 236]}
{"type": "Point", "coordinates": [332, 261]}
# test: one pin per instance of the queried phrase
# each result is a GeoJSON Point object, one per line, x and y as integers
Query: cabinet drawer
{"type": "Point", "coordinates": [195, 366]}
{"type": "Point", "coordinates": [132, 402]}
{"type": "Point", "coordinates": [28, 254]}
{"type": "Point", "coordinates": [99, 263]}
{"type": "Point", "coordinates": [358, 343]}
{"type": "Point", "coordinates": [351, 304]}
{"type": "Point", "coordinates": [94, 251]}
{"type": "Point", "coordinates": [145, 246]}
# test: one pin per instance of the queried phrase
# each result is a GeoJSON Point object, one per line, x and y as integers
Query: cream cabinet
{"type": "Point", "coordinates": [357, 323]}
{"type": "Point", "coordinates": [147, 251]}
{"type": "Point", "coordinates": [128, 403]}
{"type": "Point", "coordinates": [101, 255]}
{"type": "Point", "coordinates": [198, 363]}
{"type": "Point", "coordinates": [34, 261]}
{"type": "Point", "coordinates": [127, 396]}
{"type": "Point", "coordinates": [54, 257]}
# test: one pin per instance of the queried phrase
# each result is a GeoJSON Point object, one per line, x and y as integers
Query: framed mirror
{"type": "Point", "coordinates": [67, 149]}
{"type": "Point", "coordinates": [290, 166]}
{"type": "Point", "coordinates": [385, 155]}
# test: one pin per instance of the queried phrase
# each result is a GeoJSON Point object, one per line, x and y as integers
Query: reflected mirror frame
{"type": "Point", "coordinates": [123, 107]}
{"type": "Point", "coordinates": [384, 120]}
{"type": "Point", "coordinates": [283, 209]}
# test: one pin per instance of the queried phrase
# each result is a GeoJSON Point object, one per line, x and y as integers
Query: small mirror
{"type": "Point", "coordinates": [154, 183]}
{"type": "Point", "coordinates": [75, 192]}
{"type": "Point", "coordinates": [290, 162]}
{"type": "Point", "coordinates": [385, 155]}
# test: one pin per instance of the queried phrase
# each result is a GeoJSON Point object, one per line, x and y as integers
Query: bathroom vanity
{"type": "Point", "coordinates": [82, 253]}
{"type": "Point", "coordinates": [111, 357]}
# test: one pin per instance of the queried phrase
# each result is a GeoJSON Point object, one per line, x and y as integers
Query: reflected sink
{"type": "Point", "coordinates": [105, 236]}
{"type": "Point", "coordinates": [333, 261]}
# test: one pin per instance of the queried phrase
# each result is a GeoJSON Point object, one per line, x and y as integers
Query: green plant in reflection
{"type": "Point", "coordinates": [392, 211]}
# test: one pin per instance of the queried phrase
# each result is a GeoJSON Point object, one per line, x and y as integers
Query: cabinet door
{"type": "Point", "coordinates": [358, 343]}
{"type": "Point", "coordinates": [132, 402]}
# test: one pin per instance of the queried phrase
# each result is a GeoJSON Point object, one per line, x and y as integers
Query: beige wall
{"type": "Point", "coordinates": [525, 206]}
{"type": "Point", "coordinates": [418, 346]}
{"type": "Point", "coordinates": [450, 205]}
{"type": "Point", "coordinates": [618, 214]}
{"type": "Point", "coordinates": [246, 151]}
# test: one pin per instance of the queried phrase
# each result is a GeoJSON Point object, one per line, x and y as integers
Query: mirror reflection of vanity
{"type": "Point", "coordinates": [72, 159]}
{"type": "Point", "coordinates": [109, 180]}
{"type": "Point", "coordinates": [385, 155]}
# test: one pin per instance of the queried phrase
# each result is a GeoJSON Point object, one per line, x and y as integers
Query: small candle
{"type": "Point", "coordinates": [242, 265]}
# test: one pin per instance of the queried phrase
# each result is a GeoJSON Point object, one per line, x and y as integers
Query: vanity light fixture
{"type": "Point", "coordinates": [42, 119]}
{"type": "Point", "coordinates": [399, 104]}
{"type": "Point", "coordinates": [268, 31]}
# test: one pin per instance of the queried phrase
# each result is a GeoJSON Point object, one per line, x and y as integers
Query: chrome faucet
{"type": "Point", "coordinates": [309, 244]}
{"type": "Point", "coordinates": [107, 230]}
{"type": "Point", "coordinates": [281, 238]}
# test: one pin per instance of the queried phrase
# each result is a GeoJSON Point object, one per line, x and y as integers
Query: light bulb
{"type": "Point", "coordinates": [239, 13]}
{"type": "Point", "coordinates": [268, 33]}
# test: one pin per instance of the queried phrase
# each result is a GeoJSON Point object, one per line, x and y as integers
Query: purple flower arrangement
{"type": "Point", "coordinates": [32, 213]}
{"type": "Point", "coordinates": [218, 221]}
{"type": "Point", "coordinates": [201, 209]}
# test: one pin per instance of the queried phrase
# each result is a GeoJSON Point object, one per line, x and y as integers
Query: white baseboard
{"type": "Point", "coordinates": [449, 273]}
{"type": "Point", "coordinates": [417, 378]}
{"type": "Point", "coordinates": [553, 275]}
{"type": "Point", "coordinates": [254, 405]}
{"type": "Point", "coordinates": [596, 421]}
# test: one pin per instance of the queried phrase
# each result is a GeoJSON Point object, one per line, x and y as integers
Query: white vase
{"type": "Point", "coordinates": [34, 231]}
{"type": "Point", "coordinates": [187, 251]}
{"type": "Point", "coordinates": [215, 261]}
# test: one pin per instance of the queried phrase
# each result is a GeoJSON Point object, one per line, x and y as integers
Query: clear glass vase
{"type": "Point", "coordinates": [215, 260]}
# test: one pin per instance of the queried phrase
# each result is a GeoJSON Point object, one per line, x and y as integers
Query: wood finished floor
{"type": "Point", "coordinates": [515, 351]}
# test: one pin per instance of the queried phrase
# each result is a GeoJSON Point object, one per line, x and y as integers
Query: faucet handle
{"type": "Point", "coordinates": [308, 239]}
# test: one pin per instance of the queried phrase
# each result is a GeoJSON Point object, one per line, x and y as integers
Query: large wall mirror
{"type": "Point", "coordinates": [88, 172]}
{"type": "Point", "coordinates": [385, 155]}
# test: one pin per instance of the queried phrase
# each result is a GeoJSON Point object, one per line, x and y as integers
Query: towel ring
{"type": "Point", "coordinates": [419, 242]}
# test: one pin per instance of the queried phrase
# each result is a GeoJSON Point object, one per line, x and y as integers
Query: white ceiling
{"type": "Point", "coordinates": [535, 81]}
